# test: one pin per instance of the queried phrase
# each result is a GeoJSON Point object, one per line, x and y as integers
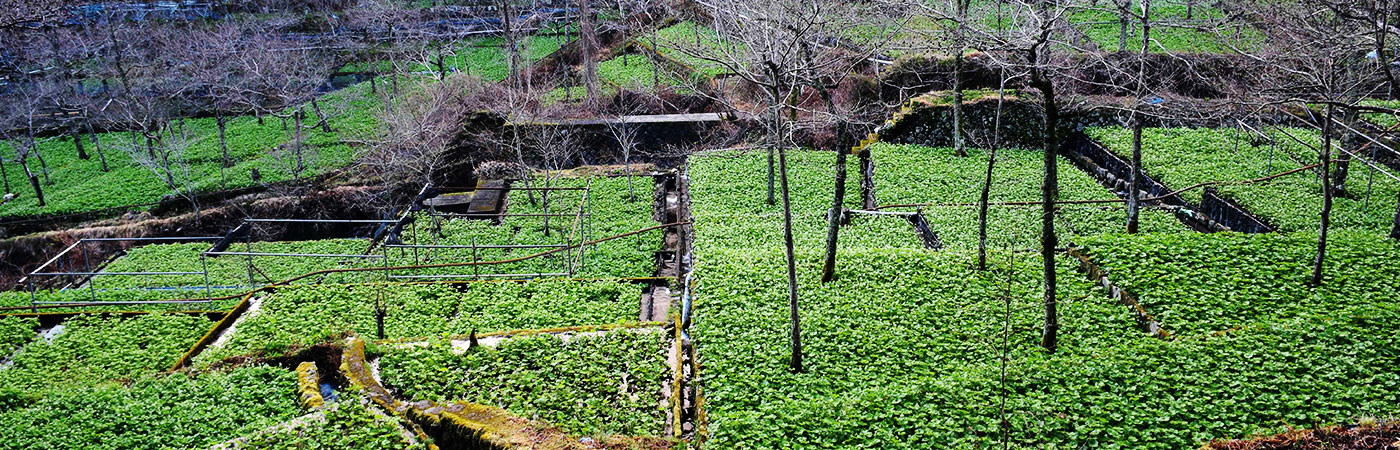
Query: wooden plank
{"type": "Point", "coordinates": [488, 201]}
{"type": "Point", "coordinates": [652, 118]}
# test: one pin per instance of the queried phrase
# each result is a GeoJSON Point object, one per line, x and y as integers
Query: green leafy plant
{"type": "Point", "coordinates": [305, 315]}
{"type": "Point", "coordinates": [1197, 284]}
{"type": "Point", "coordinates": [177, 411]}
{"type": "Point", "coordinates": [590, 385]}
{"type": "Point", "coordinates": [349, 423]}
{"type": "Point", "coordinates": [1181, 157]}
{"type": "Point", "coordinates": [80, 185]}
{"type": "Point", "coordinates": [93, 350]}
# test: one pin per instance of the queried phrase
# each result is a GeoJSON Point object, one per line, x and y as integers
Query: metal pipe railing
{"type": "Point", "coordinates": [320, 221]}
{"type": "Point", "coordinates": [430, 246]}
{"type": "Point", "coordinates": [486, 275]}
{"type": "Point", "coordinates": [299, 255]}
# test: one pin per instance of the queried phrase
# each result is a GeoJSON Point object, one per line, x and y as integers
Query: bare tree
{"type": "Point", "coordinates": [556, 147]}
{"type": "Point", "coordinates": [1311, 56]}
{"type": "Point", "coordinates": [1135, 171]}
{"type": "Point", "coordinates": [625, 133]}
{"type": "Point", "coordinates": [771, 47]}
{"type": "Point", "coordinates": [285, 79]}
{"type": "Point", "coordinates": [588, 40]}
{"type": "Point", "coordinates": [1035, 43]}
{"type": "Point", "coordinates": [984, 198]}
{"type": "Point", "coordinates": [168, 161]}
{"type": "Point", "coordinates": [218, 84]}
{"type": "Point", "coordinates": [416, 132]}
{"type": "Point", "coordinates": [959, 49]}
{"type": "Point", "coordinates": [21, 114]}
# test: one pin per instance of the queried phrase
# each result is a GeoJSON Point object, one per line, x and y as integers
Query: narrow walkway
{"type": "Point", "coordinates": [651, 118]}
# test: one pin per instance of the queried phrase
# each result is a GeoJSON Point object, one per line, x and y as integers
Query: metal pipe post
{"type": "Point", "coordinates": [252, 281]}
{"type": "Point", "coordinates": [87, 267]}
{"type": "Point", "coordinates": [204, 261]}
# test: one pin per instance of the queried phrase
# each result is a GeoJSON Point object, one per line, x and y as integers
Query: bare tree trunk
{"type": "Point", "coordinates": [512, 44]}
{"type": "Point", "coordinates": [796, 362]}
{"type": "Point", "coordinates": [1048, 193]}
{"type": "Point", "coordinates": [1395, 223]}
{"type": "Point", "coordinates": [958, 105]}
{"type": "Point", "coordinates": [4, 175]}
{"type": "Point", "coordinates": [984, 200]}
{"type": "Point", "coordinates": [320, 118]}
{"type": "Point", "coordinates": [1382, 31]}
{"type": "Point", "coordinates": [1135, 174]}
{"type": "Point", "coordinates": [842, 144]}
{"type": "Point", "coordinates": [33, 181]}
{"type": "Point", "coordinates": [544, 196]}
{"type": "Point", "coordinates": [589, 38]}
{"type": "Point", "coordinates": [296, 142]}
{"type": "Point", "coordinates": [442, 68]}
{"type": "Point", "coordinates": [958, 148]}
{"type": "Point", "coordinates": [627, 166]}
{"type": "Point", "coordinates": [867, 180]}
{"type": "Point", "coordinates": [773, 143]}
{"type": "Point", "coordinates": [1326, 199]}
{"type": "Point", "coordinates": [78, 144]}
{"type": "Point", "coordinates": [833, 224]}
{"type": "Point", "coordinates": [1123, 23]}
{"type": "Point", "coordinates": [43, 165]}
{"type": "Point", "coordinates": [1348, 140]}
{"type": "Point", "coordinates": [655, 62]}
{"type": "Point", "coordinates": [223, 146]}
{"type": "Point", "coordinates": [1134, 199]}
{"type": "Point", "coordinates": [97, 146]}
{"type": "Point", "coordinates": [165, 165]}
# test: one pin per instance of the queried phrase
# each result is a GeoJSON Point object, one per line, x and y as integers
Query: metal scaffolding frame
{"type": "Point", "coordinates": [245, 231]}
{"type": "Point", "coordinates": [577, 233]}
{"type": "Point", "coordinates": [76, 279]}
{"type": "Point", "coordinates": [387, 237]}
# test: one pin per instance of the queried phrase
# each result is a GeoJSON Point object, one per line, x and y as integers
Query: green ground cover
{"type": "Point", "coordinates": [1196, 284]}
{"type": "Point", "coordinates": [1171, 30]}
{"type": "Point", "coordinates": [305, 315]}
{"type": "Point", "coordinates": [914, 174]}
{"type": "Point", "coordinates": [728, 191]}
{"type": "Point", "coordinates": [1383, 120]}
{"type": "Point", "coordinates": [901, 350]}
{"type": "Point", "coordinates": [728, 199]}
{"type": "Point", "coordinates": [634, 72]}
{"type": "Point", "coordinates": [480, 57]}
{"type": "Point", "coordinates": [231, 271]}
{"type": "Point", "coordinates": [1181, 157]}
{"type": "Point", "coordinates": [671, 41]}
{"type": "Point", "coordinates": [611, 211]}
{"type": "Point", "coordinates": [94, 350]}
{"type": "Point", "coordinates": [15, 332]}
{"type": "Point", "coordinates": [586, 385]}
{"type": "Point", "coordinates": [176, 411]}
{"type": "Point", "coordinates": [904, 349]}
{"type": "Point", "coordinates": [75, 185]}
{"type": "Point", "coordinates": [350, 423]}
{"type": "Point", "coordinates": [21, 297]}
